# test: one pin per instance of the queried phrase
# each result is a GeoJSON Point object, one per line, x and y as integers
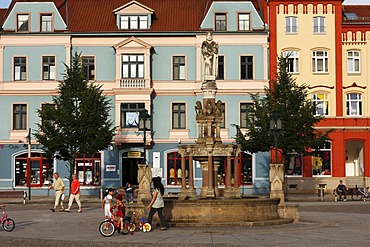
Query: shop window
{"type": "Point", "coordinates": [41, 170]}
{"type": "Point", "coordinates": [244, 166]}
{"type": "Point", "coordinates": [88, 169]}
{"type": "Point", "coordinates": [321, 161]}
{"type": "Point", "coordinates": [174, 172]}
{"type": "Point", "coordinates": [293, 164]}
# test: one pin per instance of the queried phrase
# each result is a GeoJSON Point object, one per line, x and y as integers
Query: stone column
{"type": "Point", "coordinates": [228, 191]}
{"type": "Point", "coordinates": [183, 193]}
{"type": "Point", "coordinates": [277, 182]}
{"type": "Point", "coordinates": [216, 165]}
{"type": "Point", "coordinates": [211, 188]}
{"type": "Point", "coordinates": [203, 192]}
{"type": "Point", "coordinates": [236, 178]}
{"type": "Point", "coordinates": [192, 194]}
{"type": "Point", "coordinates": [144, 177]}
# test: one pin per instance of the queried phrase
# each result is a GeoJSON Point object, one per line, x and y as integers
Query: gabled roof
{"type": "Point", "coordinates": [356, 14]}
{"type": "Point", "coordinates": [98, 16]}
{"type": "Point", "coordinates": [133, 3]}
{"type": "Point", "coordinates": [2, 13]}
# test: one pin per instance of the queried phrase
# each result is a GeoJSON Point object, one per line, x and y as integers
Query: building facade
{"type": "Point", "coordinates": [147, 56]}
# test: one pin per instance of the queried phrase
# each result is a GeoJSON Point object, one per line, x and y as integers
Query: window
{"type": "Point", "coordinates": [244, 114]}
{"type": "Point", "coordinates": [354, 104]}
{"type": "Point", "coordinates": [132, 66]}
{"type": "Point", "coordinates": [321, 104]}
{"type": "Point", "coordinates": [130, 114]}
{"type": "Point", "coordinates": [20, 68]}
{"type": "Point", "coordinates": [48, 68]}
{"type": "Point", "coordinates": [88, 64]}
{"type": "Point", "coordinates": [246, 63]}
{"type": "Point", "coordinates": [19, 117]}
{"type": "Point", "coordinates": [134, 22]}
{"type": "Point", "coordinates": [42, 170]}
{"type": "Point", "coordinates": [220, 22]}
{"type": "Point", "coordinates": [291, 24]}
{"type": "Point", "coordinates": [47, 108]}
{"type": "Point", "coordinates": [244, 166]}
{"type": "Point", "coordinates": [244, 22]}
{"type": "Point", "coordinates": [293, 164]}
{"type": "Point", "coordinates": [174, 172]}
{"type": "Point", "coordinates": [320, 61]}
{"type": "Point", "coordinates": [178, 68]}
{"type": "Point", "coordinates": [292, 59]}
{"type": "Point", "coordinates": [221, 68]}
{"type": "Point", "coordinates": [88, 169]}
{"type": "Point", "coordinates": [46, 23]}
{"type": "Point", "coordinates": [321, 161]}
{"type": "Point", "coordinates": [22, 23]}
{"type": "Point", "coordinates": [178, 116]}
{"type": "Point", "coordinates": [353, 61]}
{"type": "Point", "coordinates": [319, 24]}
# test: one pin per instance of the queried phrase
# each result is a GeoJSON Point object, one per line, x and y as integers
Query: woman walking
{"type": "Point", "coordinates": [157, 204]}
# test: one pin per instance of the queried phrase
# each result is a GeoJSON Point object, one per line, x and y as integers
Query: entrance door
{"type": "Point", "coordinates": [354, 158]}
{"type": "Point", "coordinates": [129, 170]}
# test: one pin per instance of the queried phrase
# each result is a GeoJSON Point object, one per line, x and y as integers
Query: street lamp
{"type": "Point", "coordinates": [28, 138]}
{"type": "Point", "coordinates": [275, 125]}
{"type": "Point", "coordinates": [144, 125]}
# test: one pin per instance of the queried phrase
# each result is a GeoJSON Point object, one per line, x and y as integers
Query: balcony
{"type": "Point", "coordinates": [132, 83]}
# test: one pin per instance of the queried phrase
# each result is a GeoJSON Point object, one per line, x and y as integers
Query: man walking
{"type": "Point", "coordinates": [75, 194]}
{"type": "Point", "coordinates": [58, 186]}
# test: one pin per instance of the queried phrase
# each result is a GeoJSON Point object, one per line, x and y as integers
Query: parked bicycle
{"type": "Point", "coordinates": [109, 226]}
{"type": "Point", "coordinates": [8, 223]}
{"type": "Point", "coordinates": [139, 223]}
{"type": "Point", "coordinates": [360, 194]}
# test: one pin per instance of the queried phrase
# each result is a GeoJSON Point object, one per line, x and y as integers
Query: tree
{"type": "Point", "coordinates": [288, 101]}
{"type": "Point", "coordinates": [78, 120]}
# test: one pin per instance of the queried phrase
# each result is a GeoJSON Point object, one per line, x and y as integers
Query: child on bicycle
{"type": "Point", "coordinates": [119, 211]}
{"type": "Point", "coordinates": [107, 203]}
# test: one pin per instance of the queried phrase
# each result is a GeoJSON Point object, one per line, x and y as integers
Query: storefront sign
{"type": "Point", "coordinates": [133, 154]}
{"type": "Point", "coordinates": [110, 168]}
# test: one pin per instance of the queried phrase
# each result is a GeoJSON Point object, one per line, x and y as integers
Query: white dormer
{"type": "Point", "coordinates": [133, 16]}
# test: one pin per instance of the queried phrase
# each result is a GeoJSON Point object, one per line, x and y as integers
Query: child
{"type": "Point", "coordinates": [107, 203]}
{"type": "Point", "coordinates": [120, 212]}
{"type": "Point", "coordinates": [129, 194]}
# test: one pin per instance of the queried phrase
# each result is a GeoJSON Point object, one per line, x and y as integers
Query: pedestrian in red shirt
{"type": "Point", "coordinates": [75, 194]}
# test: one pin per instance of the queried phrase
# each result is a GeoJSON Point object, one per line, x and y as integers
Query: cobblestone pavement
{"type": "Point", "coordinates": [325, 223]}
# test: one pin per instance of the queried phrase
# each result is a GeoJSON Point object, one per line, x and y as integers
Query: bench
{"type": "Point", "coordinates": [14, 194]}
{"type": "Point", "coordinates": [350, 192]}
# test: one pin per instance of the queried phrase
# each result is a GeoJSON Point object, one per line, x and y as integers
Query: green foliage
{"type": "Point", "coordinates": [291, 104]}
{"type": "Point", "coordinates": [78, 120]}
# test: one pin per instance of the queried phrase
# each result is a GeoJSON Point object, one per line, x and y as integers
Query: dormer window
{"type": "Point", "coordinates": [22, 22]}
{"type": "Point", "coordinates": [220, 22]}
{"type": "Point", "coordinates": [134, 21]}
{"type": "Point", "coordinates": [46, 22]}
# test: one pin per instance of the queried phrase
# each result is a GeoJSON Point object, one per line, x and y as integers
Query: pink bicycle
{"type": "Point", "coordinates": [8, 223]}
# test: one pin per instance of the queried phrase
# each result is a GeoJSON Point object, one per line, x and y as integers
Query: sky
{"type": "Point", "coordinates": [5, 3]}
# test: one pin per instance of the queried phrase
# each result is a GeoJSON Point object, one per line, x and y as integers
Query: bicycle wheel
{"type": "Point", "coordinates": [357, 196]}
{"type": "Point", "coordinates": [147, 227]}
{"type": "Point", "coordinates": [126, 227]}
{"type": "Point", "coordinates": [8, 225]}
{"type": "Point", "coordinates": [107, 228]}
{"type": "Point", "coordinates": [132, 227]}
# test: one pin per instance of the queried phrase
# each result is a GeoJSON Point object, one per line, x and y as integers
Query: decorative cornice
{"type": "Point", "coordinates": [332, 87]}
{"type": "Point", "coordinates": [355, 85]}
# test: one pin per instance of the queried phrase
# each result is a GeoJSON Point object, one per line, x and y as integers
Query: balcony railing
{"type": "Point", "coordinates": [132, 83]}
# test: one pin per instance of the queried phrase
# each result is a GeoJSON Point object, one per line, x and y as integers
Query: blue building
{"type": "Point", "coordinates": [146, 55]}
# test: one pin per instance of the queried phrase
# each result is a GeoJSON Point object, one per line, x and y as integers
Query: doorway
{"type": "Point", "coordinates": [129, 170]}
{"type": "Point", "coordinates": [354, 158]}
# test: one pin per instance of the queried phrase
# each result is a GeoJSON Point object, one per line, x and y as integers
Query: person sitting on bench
{"type": "Point", "coordinates": [342, 191]}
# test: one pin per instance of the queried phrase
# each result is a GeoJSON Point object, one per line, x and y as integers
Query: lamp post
{"type": "Point", "coordinates": [144, 125]}
{"type": "Point", "coordinates": [28, 137]}
{"type": "Point", "coordinates": [275, 125]}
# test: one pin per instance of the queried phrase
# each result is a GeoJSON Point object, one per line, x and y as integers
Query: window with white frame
{"type": "Point", "coordinates": [132, 66]}
{"type": "Point", "coordinates": [20, 68]}
{"type": "Point", "coordinates": [46, 22]}
{"type": "Point", "coordinates": [319, 24]}
{"type": "Point", "coordinates": [48, 68]}
{"type": "Point", "coordinates": [244, 22]}
{"type": "Point", "coordinates": [178, 116]}
{"type": "Point", "coordinates": [178, 63]}
{"type": "Point", "coordinates": [291, 24]}
{"type": "Point", "coordinates": [354, 104]}
{"type": "Point", "coordinates": [321, 104]}
{"type": "Point", "coordinates": [353, 61]}
{"type": "Point", "coordinates": [220, 22]}
{"type": "Point", "coordinates": [22, 23]}
{"type": "Point", "coordinates": [19, 117]}
{"type": "Point", "coordinates": [320, 61]}
{"type": "Point", "coordinates": [88, 64]}
{"type": "Point", "coordinates": [292, 59]}
{"type": "Point", "coordinates": [321, 160]}
{"type": "Point", "coordinates": [134, 22]}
